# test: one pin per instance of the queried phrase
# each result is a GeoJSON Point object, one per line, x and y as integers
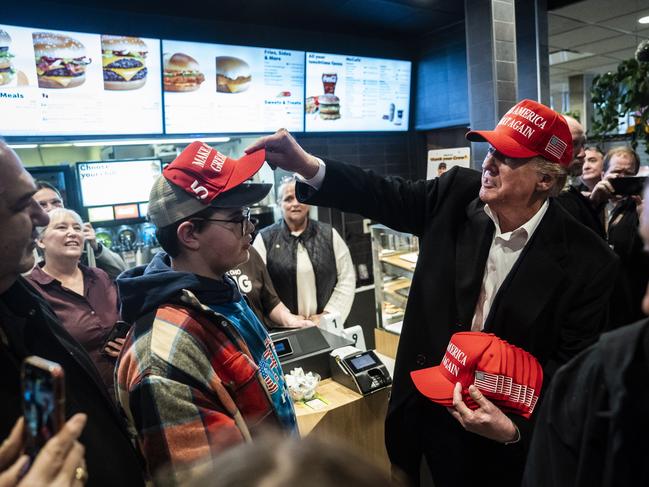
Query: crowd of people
{"type": "Point", "coordinates": [539, 248]}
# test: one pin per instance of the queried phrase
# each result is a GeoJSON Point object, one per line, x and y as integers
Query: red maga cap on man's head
{"type": "Point", "coordinates": [200, 177]}
{"type": "Point", "coordinates": [529, 129]}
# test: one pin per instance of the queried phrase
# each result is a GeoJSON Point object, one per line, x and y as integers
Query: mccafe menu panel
{"type": "Point", "coordinates": [212, 88]}
{"type": "Point", "coordinates": [352, 93]}
{"type": "Point", "coordinates": [71, 83]}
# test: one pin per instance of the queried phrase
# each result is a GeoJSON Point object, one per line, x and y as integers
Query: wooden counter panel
{"type": "Point", "coordinates": [356, 420]}
{"type": "Point", "coordinates": [386, 342]}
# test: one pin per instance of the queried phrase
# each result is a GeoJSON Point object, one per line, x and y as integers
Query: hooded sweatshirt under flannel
{"type": "Point", "coordinates": [198, 372]}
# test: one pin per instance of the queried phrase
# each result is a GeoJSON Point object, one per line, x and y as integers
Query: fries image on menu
{"type": "Point", "coordinates": [60, 60]}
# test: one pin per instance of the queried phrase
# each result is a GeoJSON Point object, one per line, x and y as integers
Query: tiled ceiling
{"type": "Point", "coordinates": [607, 30]}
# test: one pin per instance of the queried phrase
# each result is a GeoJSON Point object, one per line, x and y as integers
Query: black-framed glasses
{"type": "Point", "coordinates": [244, 220]}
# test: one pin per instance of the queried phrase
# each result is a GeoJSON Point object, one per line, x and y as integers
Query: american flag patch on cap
{"type": "Point", "coordinates": [556, 147]}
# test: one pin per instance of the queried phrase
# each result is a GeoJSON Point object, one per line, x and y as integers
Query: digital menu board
{"type": "Point", "coordinates": [213, 88]}
{"type": "Point", "coordinates": [352, 93]}
{"type": "Point", "coordinates": [72, 83]}
{"type": "Point", "coordinates": [114, 190]}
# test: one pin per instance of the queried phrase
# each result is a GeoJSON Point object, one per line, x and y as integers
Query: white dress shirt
{"type": "Point", "coordinates": [505, 249]}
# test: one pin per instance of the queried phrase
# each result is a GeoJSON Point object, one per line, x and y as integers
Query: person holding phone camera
{"type": "Point", "coordinates": [84, 298]}
{"type": "Point", "coordinates": [29, 326]}
{"type": "Point", "coordinates": [622, 204]}
{"type": "Point", "coordinates": [59, 464]}
{"type": "Point", "coordinates": [605, 202]}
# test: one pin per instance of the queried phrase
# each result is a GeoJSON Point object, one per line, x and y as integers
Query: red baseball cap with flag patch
{"type": "Point", "coordinates": [200, 177]}
{"type": "Point", "coordinates": [508, 376]}
{"type": "Point", "coordinates": [459, 363]}
{"type": "Point", "coordinates": [529, 129]}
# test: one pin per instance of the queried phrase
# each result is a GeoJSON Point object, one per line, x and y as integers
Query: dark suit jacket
{"type": "Point", "coordinates": [624, 237]}
{"type": "Point", "coordinates": [581, 209]}
{"type": "Point", "coordinates": [28, 326]}
{"type": "Point", "coordinates": [593, 439]}
{"type": "Point", "coordinates": [553, 304]}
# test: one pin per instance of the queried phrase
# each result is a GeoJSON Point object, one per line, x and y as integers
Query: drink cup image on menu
{"type": "Point", "coordinates": [7, 70]}
{"type": "Point", "coordinates": [124, 62]}
{"type": "Point", "coordinates": [232, 75]}
{"type": "Point", "coordinates": [329, 81]}
{"type": "Point", "coordinates": [60, 60]}
{"type": "Point", "coordinates": [181, 73]}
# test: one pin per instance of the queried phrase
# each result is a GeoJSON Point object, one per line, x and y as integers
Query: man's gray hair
{"type": "Point", "coordinates": [555, 171]}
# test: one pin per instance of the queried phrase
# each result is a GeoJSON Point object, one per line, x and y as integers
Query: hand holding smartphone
{"type": "Point", "coordinates": [55, 455]}
{"type": "Point", "coordinates": [43, 398]}
{"type": "Point", "coordinates": [119, 330]}
{"type": "Point", "coordinates": [628, 185]}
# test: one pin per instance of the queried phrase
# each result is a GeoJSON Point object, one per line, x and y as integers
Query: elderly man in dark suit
{"type": "Point", "coordinates": [29, 326]}
{"type": "Point", "coordinates": [495, 255]}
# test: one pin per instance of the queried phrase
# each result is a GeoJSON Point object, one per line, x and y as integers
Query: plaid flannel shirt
{"type": "Point", "coordinates": [189, 386]}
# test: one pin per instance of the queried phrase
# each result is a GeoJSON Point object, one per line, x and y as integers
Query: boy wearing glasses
{"type": "Point", "coordinates": [198, 372]}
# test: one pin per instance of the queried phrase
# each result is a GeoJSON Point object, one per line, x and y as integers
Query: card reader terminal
{"type": "Point", "coordinates": [361, 371]}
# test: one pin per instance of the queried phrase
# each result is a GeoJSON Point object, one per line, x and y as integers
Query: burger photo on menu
{"type": "Point", "coordinates": [60, 60]}
{"type": "Point", "coordinates": [329, 106]}
{"type": "Point", "coordinates": [232, 75]}
{"type": "Point", "coordinates": [181, 72]}
{"type": "Point", "coordinates": [124, 62]}
{"type": "Point", "coordinates": [7, 70]}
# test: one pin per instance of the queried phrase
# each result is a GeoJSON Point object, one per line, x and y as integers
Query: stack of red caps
{"type": "Point", "coordinates": [508, 376]}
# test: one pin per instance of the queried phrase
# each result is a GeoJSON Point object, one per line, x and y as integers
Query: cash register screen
{"type": "Point", "coordinates": [365, 361]}
{"type": "Point", "coordinates": [283, 347]}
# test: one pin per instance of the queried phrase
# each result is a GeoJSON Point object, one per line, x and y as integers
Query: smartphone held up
{"type": "Point", "coordinates": [43, 401]}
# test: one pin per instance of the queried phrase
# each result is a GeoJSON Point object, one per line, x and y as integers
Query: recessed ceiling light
{"type": "Point", "coordinates": [644, 20]}
{"type": "Point", "coordinates": [566, 55]}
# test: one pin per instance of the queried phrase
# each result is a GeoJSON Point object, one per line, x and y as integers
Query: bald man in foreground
{"type": "Point", "coordinates": [28, 326]}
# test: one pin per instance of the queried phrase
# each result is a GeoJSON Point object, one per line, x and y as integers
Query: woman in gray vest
{"type": "Point", "coordinates": [307, 260]}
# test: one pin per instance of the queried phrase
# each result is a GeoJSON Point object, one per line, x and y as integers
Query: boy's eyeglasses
{"type": "Point", "coordinates": [244, 220]}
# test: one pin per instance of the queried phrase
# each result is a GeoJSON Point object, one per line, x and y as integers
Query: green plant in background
{"type": "Point", "coordinates": [576, 114]}
{"type": "Point", "coordinates": [622, 94]}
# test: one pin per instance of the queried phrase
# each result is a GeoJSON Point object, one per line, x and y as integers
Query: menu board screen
{"type": "Point", "coordinates": [213, 88]}
{"type": "Point", "coordinates": [71, 83]}
{"type": "Point", "coordinates": [352, 93]}
{"type": "Point", "coordinates": [117, 182]}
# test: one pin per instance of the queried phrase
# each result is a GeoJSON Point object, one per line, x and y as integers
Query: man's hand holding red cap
{"type": "Point", "coordinates": [488, 420]}
{"type": "Point", "coordinates": [282, 150]}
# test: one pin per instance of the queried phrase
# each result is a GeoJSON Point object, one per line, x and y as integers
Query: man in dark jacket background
{"type": "Point", "coordinates": [495, 255]}
{"type": "Point", "coordinates": [593, 423]}
{"type": "Point", "coordinates": [28, 326]}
